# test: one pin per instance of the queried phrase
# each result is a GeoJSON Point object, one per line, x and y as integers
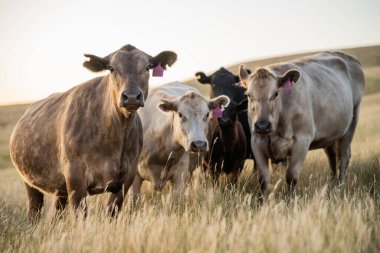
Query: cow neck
{"type": "Point", "coordinates": [228, 136]}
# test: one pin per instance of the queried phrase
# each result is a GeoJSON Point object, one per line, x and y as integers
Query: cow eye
{"type": "Point", "coordinates": [182, 117]}
{"type": "Point", "coordinates": [149, 66]}
{"type": "Point", "coordinates": [275, 95]}
{"type": "Point", "coordinates": [110, 68]}
{"type": "Point", "coordinates": [206, 117]}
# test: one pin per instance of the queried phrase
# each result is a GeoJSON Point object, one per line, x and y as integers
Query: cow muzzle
{"type": "Point", "coordinates": [132, 100]}
{"type": "Point", "coordinates": [198, 146]}
{"type": "Point", "coordinates": [224, 121]}
{"type": "Point", "coordinates": [263, 127]}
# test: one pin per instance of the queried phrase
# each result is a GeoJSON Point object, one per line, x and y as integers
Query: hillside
{"type": "Point", "coordinates": [369, 57]}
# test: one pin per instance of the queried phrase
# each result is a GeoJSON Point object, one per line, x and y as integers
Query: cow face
{"type": "Point", "coordinates": [190, 119]}
{"type": "Point", "coordinates": [129, 74]}
{"type": "Point", "coordinates": [230, 113]}
{"type": "Point", "coordinates": [264, 88]}
{"type": "Point", "coordinates": [222, 82]}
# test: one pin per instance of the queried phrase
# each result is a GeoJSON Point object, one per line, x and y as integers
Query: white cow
{"type": "Point", "coordinates": [175, 122]}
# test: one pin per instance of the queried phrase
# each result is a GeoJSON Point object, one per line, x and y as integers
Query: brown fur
{"type": "Point", "coordinates": [81, 141]}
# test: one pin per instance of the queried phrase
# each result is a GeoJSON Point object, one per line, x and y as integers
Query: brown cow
{"type": "Point", "coordinates": [228, 143]}
{"type": "Point", "coordinates": [87, 140]}
{"type": "Point", "coordinates": [308, 103]}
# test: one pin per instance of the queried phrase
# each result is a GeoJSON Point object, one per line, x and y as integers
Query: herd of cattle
{"type": "Point", "coordinates": [91, 139]}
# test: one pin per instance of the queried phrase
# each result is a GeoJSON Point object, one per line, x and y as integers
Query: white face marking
{"type": "Point", "coordinates": [191, 121]}
{"type": "Point", "coordinates": [262, 97]}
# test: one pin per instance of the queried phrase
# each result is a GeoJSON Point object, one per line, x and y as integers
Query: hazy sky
{"type": "Point", "coordinates": [42, 41]}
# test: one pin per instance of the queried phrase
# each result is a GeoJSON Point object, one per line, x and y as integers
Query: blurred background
{"type": "Point", "coordinates": [42, 42]}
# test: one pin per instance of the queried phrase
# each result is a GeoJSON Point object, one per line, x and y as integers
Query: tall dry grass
{"type": "Point", "coordinates": [319, 218]}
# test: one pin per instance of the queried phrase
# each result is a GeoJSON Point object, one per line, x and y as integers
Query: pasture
{"type": "Point", "coordinates": [318, 218]}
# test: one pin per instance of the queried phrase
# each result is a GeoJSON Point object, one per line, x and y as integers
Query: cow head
{"type": "Point", "coordinates": [129, 74]}
{"type": "Point", "coordinates": [264, 89]}
{"type": "Point", "coordinates": [190, 118]}
{"type": "Point", "coordinates": [222, 82]}
{"type": "Point", "coordinates": [230, 113]}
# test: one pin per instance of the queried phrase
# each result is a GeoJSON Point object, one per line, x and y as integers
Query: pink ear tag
{"type": "Point", "coordinates": [287, 85]}
{"type": "Point", "coordinates": [217, 112]}
{"type": "Point", "coordinates": [158, 71]}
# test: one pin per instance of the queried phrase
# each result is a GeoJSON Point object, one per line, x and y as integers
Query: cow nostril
{"type": "Point", "coordinates": [125, 96]}
{"type": "Point", "coordinates": [138, 97]}
{"type": "Point", "coordinates": [197, 146]}
{"type": "Point", "coordinates": [263, 126]}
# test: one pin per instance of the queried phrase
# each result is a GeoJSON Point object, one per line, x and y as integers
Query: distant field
{"type": "Point", "coordinates": [320, 218]}
{"type": "Point", "coordinates": [368, 56]}
{"type": "Point", "coordinates": [9, 115]}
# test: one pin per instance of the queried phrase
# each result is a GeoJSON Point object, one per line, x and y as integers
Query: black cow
{"type": "Point", "coordinates": [223, 82]}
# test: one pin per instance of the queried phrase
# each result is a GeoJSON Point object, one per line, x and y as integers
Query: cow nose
{"type": "Point", "coordinates": [132, 100]}
{"type": "Point", "coordinates": [224, 122]}
{"type": "Point", "coordinates": [198, 146]}
{"type": "Point", "coordinates": [263, 127]}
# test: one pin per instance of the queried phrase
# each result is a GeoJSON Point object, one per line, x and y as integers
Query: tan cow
{"type": "Point", "coordinates": [88, 139]}
{"type": "Point", "coordinates": [175, 122]}
{"type": "Point", "coordinates": [308, 103]}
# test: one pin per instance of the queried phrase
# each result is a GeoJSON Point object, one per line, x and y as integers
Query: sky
{"type": "Point", "coordinates": [42, 42]}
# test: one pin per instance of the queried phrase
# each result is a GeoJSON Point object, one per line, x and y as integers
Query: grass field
{"type": "Point", "coordinates": [319, 218]}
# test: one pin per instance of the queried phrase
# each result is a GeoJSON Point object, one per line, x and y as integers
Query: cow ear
{"type": "Point", "coordinates": [96, 63]}
{"type": "Point", "coordinates": [203, 78]}
{"type": "Point", "coordinates": [168, 105]}
{"type": "Point", "coordinates": [242, 106]}
{"type": "Point", "coordinates": [289, 78]}
{"type": "Point", "coordinates": [243, 74]}
{"type": "Point", "coordinates": [237, 78]}
{"type": "Point", "coordinates": [165, 58]}
{"type": "Point", "coordinates": [220, 101]}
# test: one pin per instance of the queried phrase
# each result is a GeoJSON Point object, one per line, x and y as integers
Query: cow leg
{"type": "Point", "coordinates": [262, 170]}
{"type": "Point", "coordinates": [180, 177]}
{"type": "Point", "coordinates": [136, 188]}
{"type": "Point", "coordinates": [35, 202]}
{"type": "Point", "coordinates": [237, 171]}
{"type": "Point", "coordinates": [344, 147]}
{"type": "Point", "coordinates": [331, 155]}
{"type": "Point", "coordinates": [215, 171]}
{"type": "Point", "coordinates": [234, 177]}
{"type": "Point", "coordinates": [60, 203]}
{"type": "Point", "coordinates": [299, 152]}
{"type": "Point", "coordinates": [178, 182]}
{"type": "Point", "coordinates": [115, 202]}
{"type": "Point", "coordinates": [76, 187]}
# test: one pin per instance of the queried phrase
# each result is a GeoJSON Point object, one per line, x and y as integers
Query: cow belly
{"type": "Point", "coordinates": [50, 181]}
{"type": "Point", "coordinates": [324, 139]}
{"type": "Point", "coordinates": [104, 175]}
{"type": "Point", "coordinates": [331, 127]}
